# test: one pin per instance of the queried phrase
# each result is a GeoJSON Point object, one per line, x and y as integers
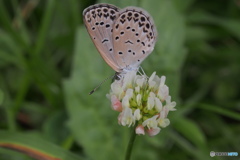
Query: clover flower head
{"type": "Point", "coordinates": [142, 101]}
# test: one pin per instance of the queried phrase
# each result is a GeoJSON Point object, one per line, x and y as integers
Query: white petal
{"type": "Point", "coordinates": [116, 104]}
{"type": "Point", "coordinates": [163, 113]}
{"type": "Point", "coordinates": [140, 82]}
{"type": "Point", "coordinates": [162, 82]}
{"type": "Point", "coordinates": [128, 79]}
{"type": "Point", "coordinates": [137, 89]}
{"type": "Point", "coordinates": [152, 84]}
{"type": "Point", "coordinates": [117, 89]}
{"type": "Point", "coordinates": [152, 77]}
{"type": "Point", "coordinates": [164, 122]}
{"type": "Point", "coordinates": [158, 104]}
{"type": "Point", "coordinates": [125, 102]}
{"type": "Point", "coordinates": [137, 114]}
{"type": "Point", "coordinates": [140, 130]}
{"type": "Point", "coordinates": [129, 92]}
{"type": "Point", "coordinates": [139, 99]}
{"type": "Point", "coordinates": [120, 118]}
{"type": "Point", "coordinates": [151, 122]}
{"type": "Point", "coordinates": [163, 92]}
{"type": "Point", "coordinates": [127, 117]}
{"type": "Point", "coordinates": [150, 103]}
{"type": "Point", "coordinates": [153, 131]}
{"type": "Point", "coordinates": [170, 105]}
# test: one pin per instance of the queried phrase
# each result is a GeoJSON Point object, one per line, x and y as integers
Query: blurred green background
{"type": "Point", "coordinates": [48, 65]}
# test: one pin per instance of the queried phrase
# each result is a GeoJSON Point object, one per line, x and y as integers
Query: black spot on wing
{"type": "Point", "coordinates": [128, 41]}
{"type": "Point", "coordinates": [105, 40]}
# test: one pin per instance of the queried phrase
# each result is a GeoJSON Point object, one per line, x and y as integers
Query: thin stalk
{"type": "Point", "coordinates": [130, 145]}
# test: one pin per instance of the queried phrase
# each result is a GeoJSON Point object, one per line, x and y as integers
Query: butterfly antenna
{"type": "Point", "coordinates": [100, 84]}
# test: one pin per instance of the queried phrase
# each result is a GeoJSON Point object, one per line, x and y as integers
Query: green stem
{"type": "Point", "coordinates": [130, 144]}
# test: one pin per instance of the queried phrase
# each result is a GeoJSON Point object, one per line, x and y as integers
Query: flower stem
{"type": "Point", "coordinates": [130, 144]}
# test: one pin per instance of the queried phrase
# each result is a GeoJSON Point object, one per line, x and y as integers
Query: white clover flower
{"type": "Point", "coordinates": [141, 101]}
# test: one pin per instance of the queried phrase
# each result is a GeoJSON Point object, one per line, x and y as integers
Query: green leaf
{"type": "Point", "coordinates": [191, 131]}
{"type": "Point", "coordinates": [12, 155]}
{"type": "Point", "coordinates": [55, 128]}
{"type": "Point", "coordinates": [43, 31]}
{"type": "Point", "coordinates": [1, 96]}
{"type": "Point", "coordinates": [183, 5]}
{"type": "Point", "coordinates": [220, 110]}
{"type": "Point", "coordinates": [122, 3]}
{"type": "Point", "coordinates": [34, 146]}
{"type": "Point", "coordinates": [5, 20]}
{"type": "Point", "coordinates": [231, 25]}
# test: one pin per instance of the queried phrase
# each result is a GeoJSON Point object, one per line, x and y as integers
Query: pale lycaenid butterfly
{"type": "Point", "coordinates": [123, 37]}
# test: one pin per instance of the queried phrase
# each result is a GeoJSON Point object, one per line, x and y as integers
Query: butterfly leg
{"type": "Point", "coordinates": [142, 73]}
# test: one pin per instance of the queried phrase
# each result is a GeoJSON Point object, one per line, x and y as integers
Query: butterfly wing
{"type": "Point", "coordinates": [134, 37]}
{"type": "Point", "coordinates": [99, 20]}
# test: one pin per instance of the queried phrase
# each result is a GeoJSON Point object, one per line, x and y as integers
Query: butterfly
{"type": "Point", "coordinates": [123, 37]}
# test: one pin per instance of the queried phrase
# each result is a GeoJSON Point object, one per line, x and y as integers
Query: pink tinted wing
{"type": "Point", "coordinates": [99, 20]}
{"type": "Point", "coordinates": [134, 37]}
